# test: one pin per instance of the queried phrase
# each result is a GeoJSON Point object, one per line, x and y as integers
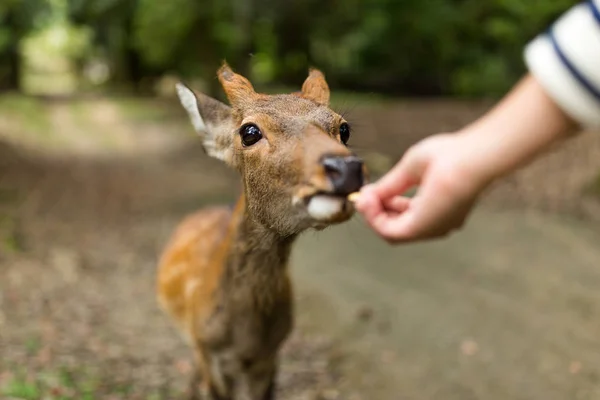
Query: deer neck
{"type": "Point", "coordinates": [256, 267]}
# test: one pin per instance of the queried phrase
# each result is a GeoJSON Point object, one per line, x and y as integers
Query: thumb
{"type": "Point", "coordinates": [368, 203]}
{"type": "Point", "coordinates": [403, 176]}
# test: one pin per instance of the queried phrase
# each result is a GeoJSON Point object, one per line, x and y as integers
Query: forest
{"type": "Point", "coordinates": [395, 47]}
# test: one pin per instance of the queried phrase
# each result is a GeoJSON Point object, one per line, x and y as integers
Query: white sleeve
{"type": "Point", "coordinates": [566, 62]}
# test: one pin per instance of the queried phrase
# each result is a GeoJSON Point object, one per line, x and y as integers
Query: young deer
{"type": "Point", "coordinates": [223, 276]}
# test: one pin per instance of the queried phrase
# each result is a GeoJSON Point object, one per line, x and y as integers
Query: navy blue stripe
{"type": "Point", "coordinates": [573, 69]}
{"type": "Point", "coordinates": [595, 11]}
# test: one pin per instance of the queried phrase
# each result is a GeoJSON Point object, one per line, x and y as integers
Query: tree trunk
{"type": "Point", "coordinates": [14, 68]}
{"type": "Point", "coordinates": [12, 80]}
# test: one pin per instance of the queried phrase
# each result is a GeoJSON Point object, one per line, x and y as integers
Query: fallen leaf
{"type": "Point", "coordinates": [469, 347]}
{"type": "Point", "coordinates": [183, 366]}
{"type": "Point", "coordinates": [574, 367]}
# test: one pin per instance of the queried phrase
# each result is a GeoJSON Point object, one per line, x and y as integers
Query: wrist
{"type": "Point", "coordinates": [482, 157]}
{"type": "Point", "coordinates": [522, 126]}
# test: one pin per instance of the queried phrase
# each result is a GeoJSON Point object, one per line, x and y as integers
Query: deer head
{"type": "Point", "coordinates": [290, 150]}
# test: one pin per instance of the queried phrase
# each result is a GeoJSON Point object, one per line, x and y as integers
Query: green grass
{"type": "Point", "coordinates": [33, 345]}
{"type": "Point", "coordinates": [55, 386]}
{"type": "Point", "coordinates": [8, 196]}
{"type": "Point", "coordinates": [21, 389]}
{"type": "Point", "coordinates": [9, 240]}
{"type": "Point", "coordinates": [29, 112]}
{"type": "Point", "coordinates": [593, 187]}
{"type": "Point", "coordinates": [67, 384]}
{"type": "Point", "coordinates": [142, 110]}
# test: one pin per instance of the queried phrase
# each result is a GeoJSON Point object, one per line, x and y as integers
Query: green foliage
{"type": "Point", "coordinates": [431, 47]}
{"type": "Point", "coordinates": [160, 26]}
{"type": "Point", "coordinates": [17, 19]}
{"type": "Point", "coordinates": [408, 47]}
{"type": "Point", "coordinates": [60, 40]}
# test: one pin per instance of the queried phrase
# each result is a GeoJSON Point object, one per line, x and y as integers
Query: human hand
{"type": "Point", "coordinates": [450, 183]}
{"type": "Point", "coordinates": [452, 170]}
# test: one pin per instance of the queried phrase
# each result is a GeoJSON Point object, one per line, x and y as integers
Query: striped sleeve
{"type": "Point", "coordinates": [566, 62]}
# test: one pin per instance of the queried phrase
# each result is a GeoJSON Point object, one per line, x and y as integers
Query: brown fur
{"type": "Point", "coordinates": [223, 275]}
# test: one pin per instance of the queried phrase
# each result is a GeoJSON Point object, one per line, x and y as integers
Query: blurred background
{"type": "Point", "coordinates": [407, 48]}
{"type": "Point", "coordinates": [98, 163]}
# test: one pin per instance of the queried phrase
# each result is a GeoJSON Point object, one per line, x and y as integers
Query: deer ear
{"type": "Point", "coordinates": [238, 89]}
{"type": "Point", "coordinates": [315, 87]}
{"type": "Point", "coordinates": [212, 120]}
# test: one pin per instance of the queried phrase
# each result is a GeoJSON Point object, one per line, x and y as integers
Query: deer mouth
{"type": "Point", "coordinates": [328, 207]}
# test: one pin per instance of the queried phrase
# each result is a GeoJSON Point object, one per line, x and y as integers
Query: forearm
{"type": "Point", "coordinates": [560, 94]}
{"type": "Point", "coordinates": [523, 125]}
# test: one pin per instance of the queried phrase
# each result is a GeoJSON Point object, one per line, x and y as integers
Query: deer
{"type": "Point", "coordinates": [223, 275]}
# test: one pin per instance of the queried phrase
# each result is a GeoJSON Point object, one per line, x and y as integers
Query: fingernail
{"type": "Point", "coordinates": [360, 202]}
{"type": "Point", "coordinates": [366, 188]}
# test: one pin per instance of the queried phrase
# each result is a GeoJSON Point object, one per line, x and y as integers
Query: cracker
{"type": "Point", "coordinates": [353, 196]}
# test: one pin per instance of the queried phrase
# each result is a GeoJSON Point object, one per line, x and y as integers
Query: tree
{"type": "Point", "coordinates": [17, 19]}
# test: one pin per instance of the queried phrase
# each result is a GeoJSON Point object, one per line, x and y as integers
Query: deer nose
{"type": "Point", "coordinates": [344, 173]}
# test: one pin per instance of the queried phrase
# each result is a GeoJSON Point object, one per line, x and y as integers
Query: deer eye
{"type": "Point", "coordinates": [344, 132]}
{"type": "Point", "coordinates": [250, 134]}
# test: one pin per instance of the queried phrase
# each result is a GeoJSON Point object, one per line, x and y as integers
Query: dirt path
{"type": "Point", "coordinates": [508, 309]}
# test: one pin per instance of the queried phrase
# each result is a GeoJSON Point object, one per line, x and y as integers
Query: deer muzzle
{"type": "Point", "coordinates": [345, 173]}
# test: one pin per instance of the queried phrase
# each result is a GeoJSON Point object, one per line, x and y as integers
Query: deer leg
{"type": "Point", "coordinates": [193, 392]}
{"type": "Point", "coordinates": [258, 381]}
{"type": "Point", "coordinates": [199, 378]}
{"type": "Point", "coordinates": [219, 393]}
{"type": "Point", "coordinates": [214, 395]}
{"type": "Point", "coordinates": [220, 385]}
{"type": "Point", "coordinates": [270, 393]}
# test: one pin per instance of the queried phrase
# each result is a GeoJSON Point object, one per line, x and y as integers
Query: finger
{"type": "Point", "coordinates": [393, 226]}
{"type": "Point", "coordinates": [403, 176]}
{"type": "Point", "coordinates": [429, 215]}
{"type": "Point", "coordinates": [398, 204]}
{"type": "Point", "coordinates": [372, 208]}
{"type": "Point", "coordinates": [433, 213]}
{"type": "Point", "coordinates": [368, 203]}
{"type": "Point", "coordinates": [397, 228]}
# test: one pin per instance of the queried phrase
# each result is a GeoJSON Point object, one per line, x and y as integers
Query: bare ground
{"type": "Point", "coordinates": [505, 310]}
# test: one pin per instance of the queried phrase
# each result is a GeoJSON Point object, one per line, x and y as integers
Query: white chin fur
{"type": "Point", "coordinates": [322, 207]}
